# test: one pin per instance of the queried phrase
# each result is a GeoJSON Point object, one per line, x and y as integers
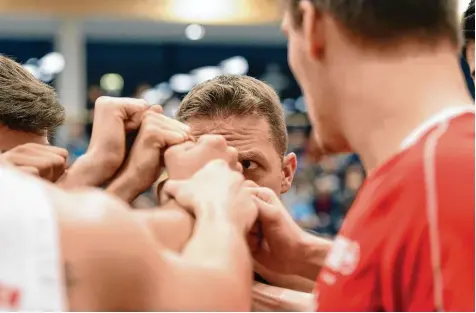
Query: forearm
{"type": "Point", "coordinates": [219, 251]}
{"type": "Point", "coordinates": [125, 186]}
{"type": "Point", "coordinates": [274, 299]}
{"type": "Point", "coordinates": [315, 251]}
{"type": "Point", "coordinates": [85, 172]}
{"type": "Point", "coordinates": [170, 225]}
{"type": "Point", "coordinates": [293, 282]}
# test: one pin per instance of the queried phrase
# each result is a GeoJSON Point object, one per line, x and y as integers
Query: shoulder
{"type": "Point", "coordinates": [111, 255]}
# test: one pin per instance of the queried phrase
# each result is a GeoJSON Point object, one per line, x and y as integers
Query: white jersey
{"type": "Point", "coordinates": [30, 260]}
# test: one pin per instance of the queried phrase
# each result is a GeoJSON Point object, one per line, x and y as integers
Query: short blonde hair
{"type": "Point", "coordinates": [233, 95]}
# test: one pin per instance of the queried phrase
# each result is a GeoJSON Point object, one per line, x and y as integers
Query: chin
{"type": "Point", "coordinates": [334, 145]}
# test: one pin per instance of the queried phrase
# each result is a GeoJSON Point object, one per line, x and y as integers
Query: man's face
{"type": "Point", "coordinates": [252, 138]}
{"type": "Point", "coordinates": [311, 69]}
{"type": "Point", "coordinates": [10, 139]}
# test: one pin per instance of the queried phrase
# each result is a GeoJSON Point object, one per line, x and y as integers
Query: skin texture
{"type": "Point", "coordinates": [12, 138]}
{"type": "Point", "coordinates": [112, 262]}
{"type": "Point", "coordinates": [252, 138]}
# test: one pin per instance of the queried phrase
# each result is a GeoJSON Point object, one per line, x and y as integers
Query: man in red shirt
{"type": "Point", "coordinates": [382, 78]}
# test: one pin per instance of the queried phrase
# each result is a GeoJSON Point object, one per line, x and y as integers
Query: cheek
{"type": "Point", "coordinates": [271, 180]}
{"type": "Point", "coordinates": [295, 58]}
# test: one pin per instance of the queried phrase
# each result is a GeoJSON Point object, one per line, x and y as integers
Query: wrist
{"type": "Point", "coordinates": [82, 173]}
{"type": "Point", "coordinates": [313, 255]}
{"type": "Point", "coordinates": [126, 186]}
{"type": "Point", "coordinates": [213, 211]}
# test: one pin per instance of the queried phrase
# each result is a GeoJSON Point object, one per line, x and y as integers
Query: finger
{"type": "Point", "coordinates": [216, 141]}
{"type": "Point", "coordinates": [51, 150]}
{"type": "Point", "coordinates": [29, 170]}
{"type": "Point", "coordinates": [170, 138]}
{"type": "Point", "coordinates": [267, 213]}
{"type": "Point", "coordinates": [264, 194]}
{"type": "Point", "coordinates": [134, 112]}
{"type": "Point", "coordinates": [238, 167]}
{"type": "Point", "coordinates": [250, 184]}
{"type": "Point", "coordinates": [232, 154]}
{"type": "Point", "coordinates": [157, 109]}
{"type": "Point", "coordinates": [172, 187]}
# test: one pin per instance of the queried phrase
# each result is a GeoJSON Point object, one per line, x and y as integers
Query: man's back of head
{"type": "Point", "coordinates": [383, 23]}
{"type": "Point", "coordinates": [27, 105]}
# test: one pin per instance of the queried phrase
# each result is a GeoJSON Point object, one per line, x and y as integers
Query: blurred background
{"type": "Point", "coordinates": [158, 50]}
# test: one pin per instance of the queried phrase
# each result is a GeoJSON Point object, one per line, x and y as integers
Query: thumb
{"type": "Point", "coordinates": [172, 187]}
{"type": "Point", "coordinates": [157, 109]}
{"type": "Point", "coordinates": [264, 194]}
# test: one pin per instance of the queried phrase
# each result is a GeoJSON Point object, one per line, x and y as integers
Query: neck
{"type": "Point", "coordinates": [10, 139]}
{"type": "Point", "coordinates": [391, 96]}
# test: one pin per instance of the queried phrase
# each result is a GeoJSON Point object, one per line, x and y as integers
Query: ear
{"type": "Point", "coordinates": [313, 28]}
{"type": "Point", "coordinates": [288, 171]}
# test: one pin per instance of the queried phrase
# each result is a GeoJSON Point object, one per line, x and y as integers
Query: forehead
{"type": "Point", "coordinates": [248, 134]}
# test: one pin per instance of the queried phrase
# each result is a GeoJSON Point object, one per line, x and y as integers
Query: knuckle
{"type": "Point", "coordinates": [216, 141]}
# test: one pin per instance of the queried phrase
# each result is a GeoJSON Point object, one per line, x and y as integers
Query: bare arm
{"type": "Point", "coordinates": [292, 282]}
{"type": "Point", "coordinates": [271, 299]}
{"type": "Point", "coordinates": [87, 171]}
{"type": "Point", "coordinates": [316, 249]}
{"type": "Point", "coordinates": [170, 225]}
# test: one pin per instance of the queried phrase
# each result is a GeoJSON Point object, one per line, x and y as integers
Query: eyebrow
{"type": "Point", "coordinates": [252, 154]}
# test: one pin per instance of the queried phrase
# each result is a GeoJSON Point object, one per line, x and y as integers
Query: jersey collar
{"type": "Point", "coordinates": [444, 115]}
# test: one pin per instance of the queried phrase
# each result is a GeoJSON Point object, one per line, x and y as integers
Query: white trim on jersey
{"type": "Point", "coordinates": [439, 117]}
{"type": "Point", "coordinates": [429, 159]}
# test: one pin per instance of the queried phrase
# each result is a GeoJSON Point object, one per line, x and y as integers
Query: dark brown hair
{"type": "Point", "coordinates": [382, 23]}
{"type": "Point", "coordinates": [231, 95]}
{"type": "Point", "coordinates": [27, 104]}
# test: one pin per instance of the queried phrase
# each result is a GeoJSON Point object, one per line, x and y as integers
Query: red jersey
{"type": "Point", "coordinates": [407, 243]}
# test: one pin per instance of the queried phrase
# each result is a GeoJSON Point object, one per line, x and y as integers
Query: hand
{"type": "Point", "coordinates": [48, 162]}
{"type": "Point", "coordinates": [143, 165]}
{"type": "Point", "coordinates": [182, 161]}
{"type": "Point", "coordinates": [215, 191]}
{"type": "Point", "coordinates": [113, 117]}
{"type": "Point", "coordinates": [282, 247]}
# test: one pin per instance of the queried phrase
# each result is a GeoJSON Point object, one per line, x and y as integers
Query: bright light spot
{"type": "Point", "coordinates": [52, 63]}
{"type": "Point", "coordinates": [182, 83]}
{"type": "Point", "coordinates": [195, 32]}
{"type": "Point", "coordinates": [235, 66]}
{"type": "Point", "coordinates": [32, 69]}
{"type": "Point", "coordinates": [288, 106]}
{"type": "Point", "coordinates": [164, 90]}
{"type": "Point", "coordinates": [32, 61]}
{"type": "Point", "coordinates": [151, 96]}
{"type": "Point", "coordinates": [171, 108]}
{"type": "Point", "coordinates": [463, 6]}
{"type": "Point", "coordinates": [112, 82]}
{"type": "Point", "coordinates": [300, 105]}
{"type": "Point", "coordinates": [204, 11]}
{"type": "Point", "coordinates": [46, 77]}
{"type": "Point", "coordinates": [205, 73]}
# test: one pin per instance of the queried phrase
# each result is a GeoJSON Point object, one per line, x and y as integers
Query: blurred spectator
{"type": "Point", "coordinates": [78, 141]}
{"type": "Point", "coordinates": [326, 203]}
{"type": "Point", "coordinates": [354, 177]}
{"type": "Point", "coordinates": [94, 92]}
{"type": "Point", "coordinates": [298, 200]}
{"type": "Point", "coordinates": [143, 87]}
